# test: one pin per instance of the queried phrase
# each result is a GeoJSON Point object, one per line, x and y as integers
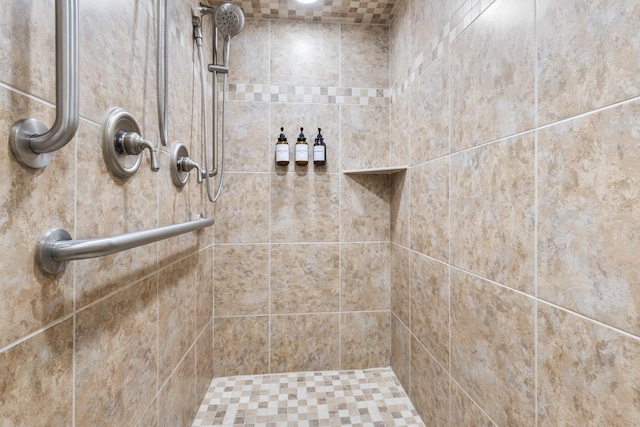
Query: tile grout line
{"type": "Point", "coordinates": [535, 212]}
{"type": "Point", "coordinates": [449, 234]}
{"type": "Point", "coordinates": [270, 219]}
{"type": "Point", "coordinates": [340, 183]}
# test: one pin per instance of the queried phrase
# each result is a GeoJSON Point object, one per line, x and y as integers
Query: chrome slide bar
{"type": "Point", "coordinates": [55, 249]}
{"type": "Point", "coordinates": [32, 144]}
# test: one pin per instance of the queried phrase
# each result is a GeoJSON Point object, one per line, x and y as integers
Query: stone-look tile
{"type": "Point", "coordinates": [429, 229]}
{"type": "Point", "coordinates": [28, 63]}
{"type": "Point", "coordinates": [33, 202]}
{"type": "Point", "coordinates": [184, 76]}
{"type": "Point", "coordinates": [492, 212]}
{"type": "Point", "coordinates": [400, 203]}
{"type": "Point", "coordinates": [304, 53]}
{"type": "Point", "coordinates": [106, 206]}
{"type": "Point", "coordinates": [174, 207]}
{"type": "Point", "coordinates": [464, 412]}
{"type": "Point", "coordinates": [128, 84]}
{"type": "Point", "coordinates": [305, 278]}
{"type": "Point", "coordinates": [241, 277]}
{"type": "Point", "coordinates": [150, 417]}
{"type": "Point", "coordinates": [400, 38]}
{"type": "Point", "coordinates": [430, 385]}
{"type": "Point", "coordinates": [241, 346]}
{"type": "Point", "coordinates": [177, 401]}
{"type": "Point", "coordinates": [400, 351]}
{"type": "Point", "coordinates": [249, 54]}
{"type": "Point", "coordinates": [240, 212]}
{"type": "Point", "coordinates": [492, 75]}
{"type": "Point", "coordinates": [364, 208]}
{"type": "Point", "coordinates": [304, 208]}
{"type": "Point", "coordinates": [365, 136]}
{"type": "Point", "coordinates": [430, 305]}
{"type": "Point", "coordinates": [364, 56]}
{"type": "Point", "coordinates": [589, 215]}
{"type": "Point", "coordinates": [307, 342]}
{"type": "Point", "coordinates": [248, 147]}
{"type": "Point", "coordinates": [36, 371]}
{"type": "Point", "coordinates": [430, 112]}
{"type": "Point", "coordinates": [399, 131]}
{"type": "Point", "coordinates": [118, 332]}
{"type": "Point", "coordinates": [365, 278]}
{"type": "Point", "coordinates": [492, 348]}
{"type": "Point", "coordinates": [365, 340]}
{"type": "Point", "coordinates": [204, 288]}
{"type": "Point", "coordinates": [204, 361]}
{"type": "Point", "coordinates": [400, 297]}
{"type": "Point", "coordinates": [176, 314]}
{"type": "Point", "coordinates": [587, 53]}
{"type": "Point", "coordinates": [455, 5]}
{"type": "Point", "coordinates": [310, 117]}
{"type": "Point", "coordinates": [588, 373]}
{"type": "Point", "coordinates": [427, 19]}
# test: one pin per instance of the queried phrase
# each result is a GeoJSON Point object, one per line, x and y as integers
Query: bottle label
{"type": "Point", "coordinates": [302, 152]}
{"type": "Point", "coordinates": [282, 152]}
{"type": "Point", "coordinates": [318, 153]}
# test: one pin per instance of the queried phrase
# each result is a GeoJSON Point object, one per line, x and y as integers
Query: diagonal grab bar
{"type": "Point", "coordinates": [55, 249]}
{"type": "Point", "coordinates": [32, 144]}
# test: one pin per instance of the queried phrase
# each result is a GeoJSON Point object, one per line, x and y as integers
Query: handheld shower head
{"type": "Point", "coordinates": [229, 20]}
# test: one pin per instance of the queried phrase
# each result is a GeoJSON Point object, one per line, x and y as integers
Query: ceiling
{"type": "Point", "coordinates": [347, 11]}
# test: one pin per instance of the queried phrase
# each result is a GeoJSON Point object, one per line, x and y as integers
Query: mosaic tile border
{"type": "Point", "coordinates": [349, 11]}
{"type": "Point", "coordinates": [370, 397]}
{"type": "Point", "coordinates": [468, 11]}
{"type": "Point", "coordinates": [308, 94]}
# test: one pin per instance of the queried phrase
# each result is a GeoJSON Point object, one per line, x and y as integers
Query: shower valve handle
{"type": "Point", "coordinates": [132, 143]}
{"type": "Point", "coordinates": [185, 164]}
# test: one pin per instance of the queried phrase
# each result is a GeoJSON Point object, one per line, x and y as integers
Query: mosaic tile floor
{"type": "Point", "coordinates": [372, 398]}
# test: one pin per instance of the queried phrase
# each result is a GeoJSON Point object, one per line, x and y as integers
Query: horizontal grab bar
{"type": "Point", "coordinates": [56, 248]}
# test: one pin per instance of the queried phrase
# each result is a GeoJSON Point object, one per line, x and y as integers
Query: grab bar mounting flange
{"type": "Point", "coordinates": [44, 251]}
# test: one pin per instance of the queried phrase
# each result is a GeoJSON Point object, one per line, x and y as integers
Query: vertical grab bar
{"type": "Point", "coordinates": [32, 144]}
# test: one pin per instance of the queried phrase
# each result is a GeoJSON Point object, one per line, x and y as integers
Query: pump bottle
{"type": "Point", "coordinates": [282, 150]}
{"type": "Point", "coordinates": [302, 150]}
{"type": "Point", "coordinates": [319, 150]}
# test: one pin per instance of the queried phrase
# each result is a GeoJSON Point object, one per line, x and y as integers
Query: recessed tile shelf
{"type": "Point", "coordinates": [377, 171]}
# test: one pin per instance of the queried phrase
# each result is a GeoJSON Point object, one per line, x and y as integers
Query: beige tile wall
{"type": "Point", "coordinates": [302, 262]}
{"type": "Point", "coordinates": [514, 232]}
{"type": "Point", "coordinates": [122, 337]}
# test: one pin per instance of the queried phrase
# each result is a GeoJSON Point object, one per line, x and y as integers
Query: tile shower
{"type": "Point", "coordinates": [496, 276]}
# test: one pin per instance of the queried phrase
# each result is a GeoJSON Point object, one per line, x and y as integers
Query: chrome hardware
{"type": "Point", "coordinates": [31, 143]}
{"type": "Point", "coordinates": [220, 69]}
{"type": "Point", "coordinates": [132, 143]}
{"type": "Point", "coordinates": [55, 249]}
{"type": "Point", "coordinates": [122, 144]}
{"type": "Point", "coordinates": [181, 165]}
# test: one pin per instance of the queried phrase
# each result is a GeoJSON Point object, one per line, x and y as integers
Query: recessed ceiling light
{"type": "Point", "coordinates": [307, 1]}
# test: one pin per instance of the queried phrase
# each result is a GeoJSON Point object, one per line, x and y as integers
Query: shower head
{"type": "Point", "coordinates": [229, 20]}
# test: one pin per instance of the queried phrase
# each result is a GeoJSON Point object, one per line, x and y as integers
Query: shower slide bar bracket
{"type": "Point", "coordinates": [56, 248]}
{"type": "Point", "coordinates": [31, 142]}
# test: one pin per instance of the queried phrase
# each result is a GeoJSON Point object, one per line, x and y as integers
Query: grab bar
{"type": "Point", "coordinates": [32, 144]}
{"type": "Point", "coordinates": [55, 249]}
